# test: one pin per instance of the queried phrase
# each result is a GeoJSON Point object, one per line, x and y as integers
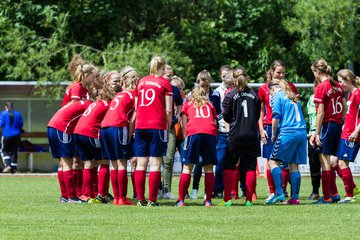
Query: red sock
{"type": "Point", "coordinates": [62, 184]}
{"type": "Point", "coordinates": [270, 181]}
{"type": "Point", "coordinates": [333, 187]}
{"type": "Point", "coordinates": [115, 183]}
{"type": "Point", "coordinates": [78, 181]}
{"type": "Point", "coordinates": [133, 182]}
{"type": "Point", "coordinates": [88, 183]}
{"type": "Point", "coordinates": [123, 182]}
{"type": "Point", "coordinates": [94, 176]}
{"type": "Point", "coordinates": [228, 183]}
{"type": "Point", "coordinates": [184, 184]}
{"type": "Point", "coordinates": [102, 185]}
{"type": "Point", "coordinates": [154, 184]}
{"type": "Point", "coordinates": [209, 185]}
{"type": "Point", "coordinates": [235, 186]}
{"type": "Point", "coordinates": [70, 183]}
{"type": "Point", "coordinates": [250, 184]}
{"type": "Point", "coordinates": [325, 182]}
{"type": "Point", "coordinates": [338, 170]}
{"type": "Point", "coordinates": [140, 177]}
{"type": "Point", "coordinates": [107, 181]}
{"type": "Point", "coordinates": [285, 177]}
{"type": "Point", "coordinates": [348, 180]}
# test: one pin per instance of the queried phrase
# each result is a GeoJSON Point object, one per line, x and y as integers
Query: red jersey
{"type": "Point", "coordinates": [264, 96]}
{"type": "Point", "coordinates": [66, 118]}
{"type": "Point", "coordinates": [332, 101]}
{"type": "Point", "coordinates": [75, 92]}
{"type": "Point", "coordinates": [120, 110]}
{"type": "Point", "coordinates": [150, 109]}
{"type": "Point", "coordinates": [200, 120]}
{"type": "Point", "coordinates": [90, 121]}
{"type": "Point", "coordinates": [352, 115]}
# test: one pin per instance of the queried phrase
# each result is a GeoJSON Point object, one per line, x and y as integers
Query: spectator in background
{"type": "Point", "coordinates": [11, 123]}
{"type": "Point", "coordinates": [171, 147]}
{"type": "Point", "coordinates": [223, 130]}
{"type": "Point", "coordinates": [314, 161]}
{"type": "Point", "coordinates": [179, 83]}
{"type": "Point", "coordinates": [168, 72]}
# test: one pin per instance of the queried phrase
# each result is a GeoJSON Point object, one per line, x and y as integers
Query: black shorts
{"type": "Point", "coordinates": [246, 153]}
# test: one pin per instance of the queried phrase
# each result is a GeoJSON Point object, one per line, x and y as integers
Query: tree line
{"type": "Point", "coordinates": [38, 38]}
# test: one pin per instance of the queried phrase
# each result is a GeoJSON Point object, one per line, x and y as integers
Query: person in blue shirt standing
{"type": "Point", "coordinates": [11, 123]}
{"type": "Point", "coordinates": [289, 137]}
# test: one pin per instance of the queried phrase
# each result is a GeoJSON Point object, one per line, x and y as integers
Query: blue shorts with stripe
{"type": "Point", "coordinates": [87, 148]}
{"type": "Point", "coordinates": [150, 142]}
{"type": "Point", "coordinates": [347, 150]}
{"type": "Point", "coordinates": [290, 148]}
{"type": "Point", "coordinates": [330, 138]}
{"type": "Point", "coordinates": [61, 144]}
{"type": "Point", "coordinates": [200, 145]}
{"type": "Point", "coordinates": [267, 149]}
{"type": "Point", "coordinates": [116, 143]}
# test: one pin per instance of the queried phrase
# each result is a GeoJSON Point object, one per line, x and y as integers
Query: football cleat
{"type": "Point", "coordinates": [292, 202]}
{"type": "Point", "coordinates": [275, 199]}
{"type": "Point", "coordinates": [322, 201]}
{"type": "Point", "coordinates": [180, 203]}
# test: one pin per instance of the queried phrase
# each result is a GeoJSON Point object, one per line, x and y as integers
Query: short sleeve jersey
{"type": "Point", "coordinates": [150, 109]}
{"type": "Point", "coordinates": [332, 101]}
{"type": "Point", "coordinates": [66, 118]}
{"type": "Point", "coordinates": [264, 97]}
{"type": "Point", "coordinates": [90, 121]}
{"type": "Point", "coordinates": [242, 111]}
{"type": "Point", "coordinates": [290, 113]}
{"type": "Point", "coordinates": [120, 110]}
{"type": "Point", "coordinates": [75, 92]}
{"type": "Point", "coordinates": [200, 119]}
{"type": "Point", "coordinates": [352, 119]}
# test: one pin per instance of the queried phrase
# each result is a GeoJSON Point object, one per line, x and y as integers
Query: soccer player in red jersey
{"type": "Point", "coordinates": [153, 111]}
{"type": "Point", "coordinates": [331, 109]}
{"type": "Point", "coordinates": [117, 129]}
{"type": "Point", "coordinates": [199, 126]}
{"type": "Point", "coordinates": [350, 138]}
{"type": "Point", "coordinates": [241, 109]}
{"type": "Point", "coordinates": [88, 146]}
{"type": "Point", "coordinates": [84, 75]}
{"type": "Point", "coordinates": [276, 71]}
{"type": "Point", "coordinates": [59, 132]}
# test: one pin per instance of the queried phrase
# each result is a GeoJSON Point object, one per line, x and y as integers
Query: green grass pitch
{"type": "Point", "coordinates": [29, 209]}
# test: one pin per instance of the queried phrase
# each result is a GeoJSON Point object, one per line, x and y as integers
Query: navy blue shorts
{"type": "Point", "coordinates": [197, 145]}
{"type": "Point", "coordinates": [348, 150]}
{"type": "Point", "coordinates": [330, 138]}
{"type": "Point", "coordinates": [116, 143]}
{"type": "Point", "coordinates": [290, 148]}
{"type": "Point", "coordinates": [61, 144]}
{"type": "Point", "coordinates": [150, 142]}
{"type": "Point", "coordinates": [267, 149]}
{"type": "Point", "coordinates": [88, 148]}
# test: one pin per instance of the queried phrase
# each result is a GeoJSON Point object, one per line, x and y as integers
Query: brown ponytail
{"type": "Point", "coordinates": [323, 68]}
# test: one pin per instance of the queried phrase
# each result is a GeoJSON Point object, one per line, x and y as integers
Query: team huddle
{"type": "Point", "coordinates": [108, 119]}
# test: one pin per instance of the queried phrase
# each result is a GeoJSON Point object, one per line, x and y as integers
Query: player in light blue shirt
{"type": "Point", "coordinates": [289, 137]}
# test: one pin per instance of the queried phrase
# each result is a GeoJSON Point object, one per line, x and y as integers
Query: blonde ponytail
{"type": "Point", "coordinates": [198, 97]}
{"type": "Point", "coordinates": [285, 87]}
{"type": "Point", "coordinates": [156, 63]}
